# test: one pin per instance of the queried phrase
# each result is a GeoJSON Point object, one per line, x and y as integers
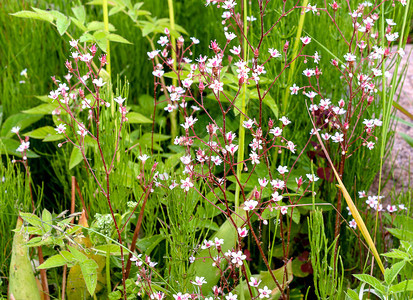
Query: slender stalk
{"type": "Point", "coordinates": [173, 115]}
{"type": "Point", "coordinates": [106, 24]}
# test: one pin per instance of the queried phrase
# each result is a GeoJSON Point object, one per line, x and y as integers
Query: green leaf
{"type": "Point", "coordinates": [352, 295]}
{"type": "Point", "coordinates": [401, 234]}
{"type": "Point", "coordinates": [407, 138]}
{"type": "Point", "coordinates": [78, 24]}
{"type": "Point", "coordinates": [396, 253]}
{"type": "Point", "coordinates": [53, 262]}
{"type": "Point", "coordinates": [115, 10]}
{"type": "Point", "coordinates": [79, 256]}
{"type": "Point", "coordinates": [372, 281]}
{"type": "Point", "coordinates": [97, 25]}
{"type": "Point", "coordinates": [76, 158]}
{"type": "Point", "coordinates": [53, 138]}
{"type": "Point", "coordinates": [137, 118]}
{"type": "Point", "coordinates": [391, 274]}
{"type": "Point", "coordinates": [80, 13]}
{"type": "Point", "coordinates": [43, 109]}
{"type": "Point", "coordinates": [147, 244]}
{"type": "Point", "coordinates": [32, 219]}
{"type": "Point", "coordinates": [32, 15]}
{"type": "Point", "coordinates": [47, 220]}
{"type": "Point", "coordinates": [20, 120]}
{"type": "Point", "coordinates": [404, 286]}
{"type": "Point", "coordinates": [89, 272]}
{"type": "Point", "coordinates": [62, 23]}
{"type": "Point", "coordinates": [103, 249]}
{"type": "Point", "coordinates": [117, 38]}
{"type": "Point", "coordinates": [41, 133]}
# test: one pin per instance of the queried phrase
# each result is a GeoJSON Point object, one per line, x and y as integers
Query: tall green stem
{"type": "Point", "coordinates": [241, 131]}
{"type": "Point", "coordinates": [173, 115]}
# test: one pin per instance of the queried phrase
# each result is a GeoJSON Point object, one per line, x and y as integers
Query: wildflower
{"type": "Point", "coordinates": [282, 170]}
{"type": "Point", "coordinates": [194, 40]}
{"type": "Point", "coordinates": [158, 73]}
{"type": "Point", "coordinates": [291, 146]}
{"type": "Point", "coordinates": [251, 18]}
{"type": "Point", "coordinates": [254, 158]}
{"type": "Point", "coordinates": [163, 40]}
{"type": "Point", "coordinates": [277, 184]}
{"type": "Point", "coordinates": [157, 295]}
{"type": "Point", "coordinates": [305, 39]}
{"type": "Point", "coordinates": [250, 205]}
{"type": "Point", "coordinates": [61, 128]}
{"type": "Point", "coordinates": [325, 136]}
{"type": "Point", "coordinates": [308, 72]}
{"type": "Point", "coordinates": [231, 148]}
{"type": "Point", "coordinates": [349, 57]}
{"type": "Point", "coordinates": [238, 258]}
{"type": "Point", "coordinates": [24, 73]}
{"type": "Point", "coordinates": [82, 130]}
{"type": "Point", "coordinates": [216, 160]}
{"type": "Point", "coordinates": [15, 129]}
{"type": "Point", "coordinates": [254, 282]}
{"type": "Point", "coordinates": [119, 100]}
{"type": "Point", "coordinates": [218, 242]}
{"type": "Point", "coordinates": [317, 57]}
{"type": "Point", "coordinates": [189, 122]}
{"type": "Point", "coordinates": [312, 177]}
{"type": "Point", "coordinates": [263, 182]}
{"type": "Point", "coordinates": [152, 54]}
{"type": "Point", "coordinates": [353, 224]}
{"type": "Point", "coordinates": [276, 131]}
{"type": "Point", "coordinates": [86, 57]}
{"type": "Point", "coordinates": [313, 9]}
{"type": "Point", "coordinates": [230, 36]}
{"type": "Point", "coordinates": [285, 121]}
{"type": "Point", "coordinates": [362, 194]}
{"type": "Point", "coordinates": [242, 232]}
{"type": "Point", "coordinates": [99, 82]}
{"type": "Point", "coordinates": [143, 157]}
{"type": "Point", "coordinates": [370, 145]}
{"type": "Point", "coordinates": [276, 197]}
{"type": "Point", "coordinates": [256, 144]}
{"type": "Point", "coordinates": [274, 53]}
{"type": "Point", "coordinates": [199, 281]}
{"type": "Point", "coordinates": [231, 297]}
{"type": "Point", "coordinates": [391, 208]}
{"type": "Point", "coordinates": [338, 137]}
{"type": "Point", "coordinates": [186, 184]}
{"type": "Point", "coordinates": [229, 4]}
{"type": "Point", "coordinates": [73, 43]}
{"type": "Point", "coordinates": [23, 146]}
{"type": "Point", "coordinates": [206, 245]}
{"type": "Point", "coordinates": [264, 293]}
{"type": "Point", "coordinates": [294, 89]}
{"type": "Point", "coordinates": [372, 201]}
{"type": "Point", "coordinates": [248, 124]}
{"type": "Point", "coordinates": [217, 86]}
{"type": "Point", "coordinates": [284, 210]}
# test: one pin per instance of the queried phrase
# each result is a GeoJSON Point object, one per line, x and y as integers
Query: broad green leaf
{"type": "Point", "coordinates": [54, 137]}
{"type": "Point", "coordinates": [103, 249]}
{"type": "Point", "coordinates": [352, 295]}
{"type": "Point", "coordinates": [404, 286]}
{"type": "Point", "coordinates": [21, 120]}
{"type": "Point", "coordinates": [32, 219]}
{"type": "Point", "coordinates": [32, 15]}
{"type": "Point", "coordinates": [78, 24]}
{"type": "Point", "coordinates": [97, 25]}
{"type": "Point", "coordinates": [44, 109]}
{"type": "Point", "coordinates": [115, 10]}
{"type": "Point", "coordinates": [117, 38]}
{"type": "Point", "coordinates": [79, 256]}
{"type": "Point", "coordinates": [80, 13]}
{"type": "Point", "coordinates": [372, 281]}
{"type": "Point", "coordinates": [47, 220]}
{"type": "Point", "coordinates": [62, 23]}
{"type": "Point", "coordinates": [53, 262]}
{"type": "Point", "coordinates": [401, 234]}
{"type": "Point", "coordinates": [137, 118]}
{"type": "Point", "coordinates": [22, 282]}
{"type": "Point", "coordinates": [396, 253]}
{"type": "Point", "coordinates": [76, 158]}
{"type": "Point", "coordinates": [89, 272]}
{"type": "Point", "coordinates": [391, 274]}
{"type": "Point", "coordinates": [41, 133]}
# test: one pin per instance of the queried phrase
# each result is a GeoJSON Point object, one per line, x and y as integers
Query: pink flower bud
{"type": "Point", "coordinates": [93, 49]}
{"type": "Point", "coordinates": [286, 45]}
{"type": "Point", "coordinates": [270, 123]}
{"type": "Point", "coordinates": [103, 60]}
{"type": "Point", "coordinates": [370, 99]}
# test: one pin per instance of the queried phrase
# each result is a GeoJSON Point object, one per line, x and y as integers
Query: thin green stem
{"type": "Point", "coordinates": [173, 115]}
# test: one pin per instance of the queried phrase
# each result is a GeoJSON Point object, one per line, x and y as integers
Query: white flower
{"type": "Point", "coordinates": [353, 224]}
{"type": "Point", "coordinates": [158, 73]}
{"type": "Point", "coordinates": [199, 281]}
{"type": "Point", "coordinates": [276, 131]}
{"type": "Point", "coordinates": [312, 177]}
{"type": "Point", "coordinates": [263, 182]}
{"type": "Point", "coordinates": [82, 130]}
{"type": "Point", "coordinates": [231, 297]}
{"type": "Point", "coordinates": [305, 39]}
{"type": "Point", "coordinates": [294, 89]}
{"type": "Point", "coordinates": [15, 129]}
{"type": "Point", "coordinates": [264, 293]}
{"type": "Point", "coordinates": [163, 40]}
{"type": "Point", "coordinates": [231, 148]}
{"type": "Point", "coordinates": [61, 128]}
{"type": "Point", "coordinates": [186, 184]}
{"type": "Point", "coordinates": [276, 197]}
{"type": "Point", "coordinates": [119, 100]}
{"type": "Point", "coordinates": [274, 53]}
{"type": "Point", "coordinates": [152, 54]}
{"type": "Point", "coordinates": [282, 170]}
{"type": "Point", "coordinates": [284, 210]}
{"type": "Point", "coordinates": [143, 157]}
{"type": "Point", "coordinates": [250, 205]}
{"type": "Point", "coordinates": [285, 121]}
{"type": "Point", "coordinates": [242, 232]}
{"type": "Point", "coordinates": [99, 82]}
{"type": "Point", "coordinates": [23, 146]}
{"type": "Point", "coordinates": [254, 282]}
{"type": "Point", "coordinates": [194, 40]}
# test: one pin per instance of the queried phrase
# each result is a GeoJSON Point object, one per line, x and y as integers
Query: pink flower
{"type": "Point", "coordinates": [294, 89]}
{"type": "Point", "coordinates": [242, 232]}
{"type": "Point", "coordinates": [284, 209]}
{"type": "Point", "coordinates": [199, 281]}
{"type": "Point", "coordinates": [254, 282]}
{"type": "Point", "coordinates": [353, 224]}
{"type": "Point", "coordinates": [186, 184]}
{"type": "Point", "coordinates": [306, 40]}
{"type": "Point", "coordinates": [274, 53]}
